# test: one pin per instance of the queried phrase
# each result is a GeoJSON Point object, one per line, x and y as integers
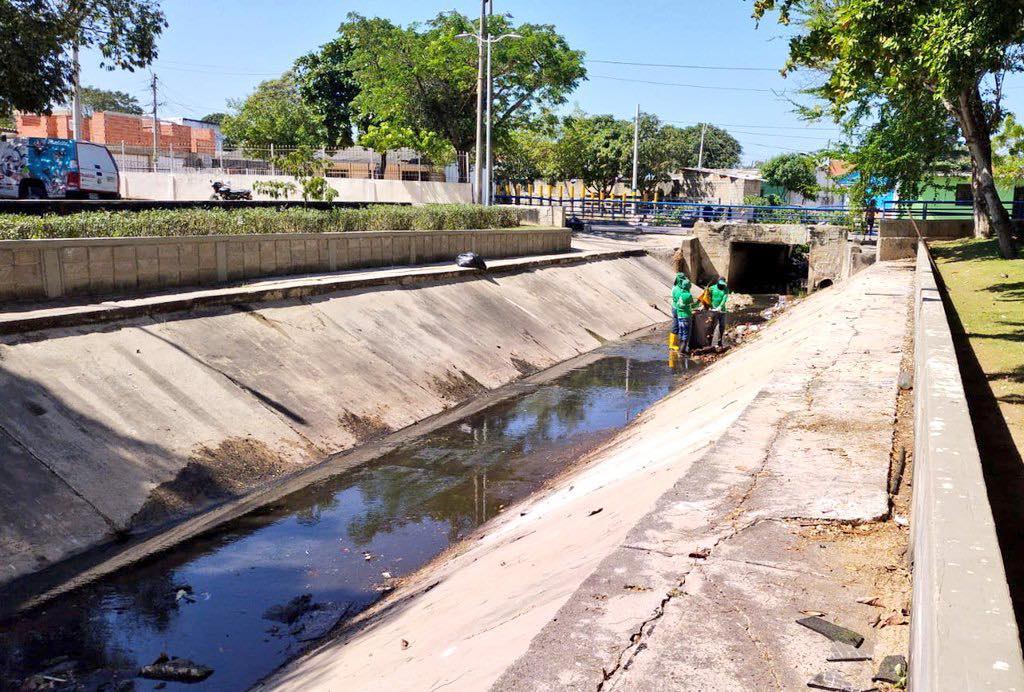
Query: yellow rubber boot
{"type": "Point", "coordinates": [673, 341]}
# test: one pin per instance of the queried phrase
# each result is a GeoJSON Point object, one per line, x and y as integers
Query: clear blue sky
{"type": "Point", "coordinates": [213, 51]}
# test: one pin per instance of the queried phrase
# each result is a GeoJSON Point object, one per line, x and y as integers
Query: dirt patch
{"type": "Point", "coordinates": [212, 475]}
{"type": "Point", "coordinates": [457, 385]}
{"type": "Point", "coordinates": [364, 428]}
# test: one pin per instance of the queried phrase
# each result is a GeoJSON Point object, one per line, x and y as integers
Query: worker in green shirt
{"type": "Point", "coordinates": [683, 304]}
{"type": "Point", "coordinates": [719, 309]}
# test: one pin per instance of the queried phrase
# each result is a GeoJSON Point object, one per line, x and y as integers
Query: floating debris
{"type": "Point", "coordinates": [174, 669]}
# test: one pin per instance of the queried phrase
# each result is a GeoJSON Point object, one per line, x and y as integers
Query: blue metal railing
{"type": "Point", "coordinates": [682, 213]}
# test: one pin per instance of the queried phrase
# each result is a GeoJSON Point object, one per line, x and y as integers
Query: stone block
{"type": "Point", "coordinates": [26, 257]}
{"type": "Point", "coordinates": [103, 255]}
{"type": "Point", "coordinates": [6, 258]}
{"type": "Point", "coordinates": [124, 253]}
{"type": "Point", "coordinates": [74, 254]}
{"type": "Point", "coordinates": [147, 251]}
{"type": "Point", "coordinates": [207, 255]}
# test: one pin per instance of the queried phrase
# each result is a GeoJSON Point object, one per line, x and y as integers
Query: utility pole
{"type": "Point", "coordinates": [636, 150]}
{"type": "Point", "coordinates": [156, 123]}
{"type": "Point", "coordinates": [479, 173]}
{"type": "Point", "coordinates": [76, 96]}
{"type": "Point", "coordinates": [700, 156]}
{"type": "Point", "coordinates": [490, 113]}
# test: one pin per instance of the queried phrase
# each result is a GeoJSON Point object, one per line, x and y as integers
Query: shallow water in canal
{"type": "Point", "coordinates": [254, 593]}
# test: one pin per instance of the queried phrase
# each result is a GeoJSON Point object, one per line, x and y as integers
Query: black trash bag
{"type": "Point", "coordinates": [471, 260]}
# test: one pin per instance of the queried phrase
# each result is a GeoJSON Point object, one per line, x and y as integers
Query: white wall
{"type": "Point", "coordinates": [196, 186]}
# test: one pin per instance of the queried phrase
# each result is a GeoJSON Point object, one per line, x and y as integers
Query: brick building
{"type": "Point", "coordinates": [120, 129]}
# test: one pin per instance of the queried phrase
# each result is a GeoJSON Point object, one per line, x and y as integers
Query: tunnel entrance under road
{"type": "Point", "coordinates": [767, 268]}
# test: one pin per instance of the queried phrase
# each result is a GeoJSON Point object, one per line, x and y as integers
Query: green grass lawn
{"type": "Point", "coordinates": [987, 293]}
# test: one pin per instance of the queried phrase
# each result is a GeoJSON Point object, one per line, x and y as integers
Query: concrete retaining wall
{"type": "Point", "coordinates": [963, 631]}
{"type": "Point", "coordinates": [113, 426]}
{"type": "Point", "coordinates": [898, 238]}
{"type": "Point", "coordinates": [196, 186]}
{"type": "Point", "coordinates": [50, 269]}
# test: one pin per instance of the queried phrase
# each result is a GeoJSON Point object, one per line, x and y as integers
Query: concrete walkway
{"type": "Point", "coordinates": [681, 554]}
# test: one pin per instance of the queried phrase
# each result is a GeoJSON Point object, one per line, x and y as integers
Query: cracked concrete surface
{"type": "Point", "coordinates": [693, 574]}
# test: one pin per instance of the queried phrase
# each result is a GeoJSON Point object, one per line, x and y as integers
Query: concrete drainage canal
{"type": "Point", "coordinates": [227, 608]}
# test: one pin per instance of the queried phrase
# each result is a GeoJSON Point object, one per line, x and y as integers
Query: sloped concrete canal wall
{"type": "Point", "coordinates": [118, 426]}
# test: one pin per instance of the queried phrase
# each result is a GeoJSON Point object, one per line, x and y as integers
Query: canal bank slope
{"type": "Point", "coordinates": [118, 427]}
{"type": "Point", "coordinates": [563, 592]}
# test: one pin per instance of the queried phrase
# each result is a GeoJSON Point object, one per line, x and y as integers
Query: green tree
{"type": "Point", "coordinates": [793, 173]}
{"type": "Point", "coordinates": [327, 85]}
{"type": "Point", "coordinates": [594, 149]}
{"type": "Point", "coordinates": [274, 114]}
{"type": "Point", "coordinates": [721, 150]}
{"type": "Point", "coordinates": [214, 118]}
{"type": "Point", "coordinates": [884, 51]}
{"type": "Point", "coordinates": [525, 155]}
{"type": "Point", "coordinates": [37, 35]}
{"type": "Point", "coordinates": [387, 136]}
{"type": "Point", "coordinates": [422, 78]}
{"type": "Point", "coordinates": [95, 100]}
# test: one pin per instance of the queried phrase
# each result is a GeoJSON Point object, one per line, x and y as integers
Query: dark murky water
{"type": "Point", "coordinates": [208, 599]}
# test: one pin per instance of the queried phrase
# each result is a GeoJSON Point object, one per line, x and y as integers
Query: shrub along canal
{"type": "Point", "coordinates": [246, 598]}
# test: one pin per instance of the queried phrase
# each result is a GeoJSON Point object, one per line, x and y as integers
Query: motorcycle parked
{"type": "Point", "coordinates": [223, 191]}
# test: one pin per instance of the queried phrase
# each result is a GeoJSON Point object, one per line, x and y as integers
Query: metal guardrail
{"type": "Point", "coordinates": [683, 214]}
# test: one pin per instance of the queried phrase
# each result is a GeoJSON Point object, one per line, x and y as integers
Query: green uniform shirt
{"type": "Point", "coordinates": [719, 298]}
{"type": "Point", "coordinates": [683, 301]}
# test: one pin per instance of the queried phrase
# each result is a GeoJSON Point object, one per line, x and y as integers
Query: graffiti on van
{"type": "Point", "coordinates": [13, 166]}
{"type": "Point", "coordinates": [50, 160]}
{"type": "Point", "coordinates": [47, 161]}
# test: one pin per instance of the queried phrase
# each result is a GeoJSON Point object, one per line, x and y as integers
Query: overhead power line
{"type": "Point", "coordinates": [684, 67]}
{"type": "Point", "coordinates": [689, 86]}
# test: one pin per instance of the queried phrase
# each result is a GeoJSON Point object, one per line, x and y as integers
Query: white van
{"type": "Point", "coordinates": [42, 168]}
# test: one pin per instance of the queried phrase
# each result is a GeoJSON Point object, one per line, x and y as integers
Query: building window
{"type": "Point", "coordinates": [964, 194]}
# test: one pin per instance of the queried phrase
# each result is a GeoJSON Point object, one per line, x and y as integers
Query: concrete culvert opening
{"type": "Point", "coordinates": [767, 268]}
{"type": "Point", "coordinates": [824, 284]}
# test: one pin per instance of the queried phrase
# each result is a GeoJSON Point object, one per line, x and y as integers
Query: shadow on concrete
{"type": "Point", "coordinates": [1001, 461]}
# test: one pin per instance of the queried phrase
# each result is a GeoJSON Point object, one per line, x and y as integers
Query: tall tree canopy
{"type": "Point", "coordinates": [598, 150]}
{"type": "Point", "coordinates": [326, 83]}
{"type": "Point", "coordinates": [37, 36]}
{"type": "Point", "coordinates": [721, 149]}
{"type": "Point", "coordinates": [274, 114]}
{"type": "Point", "coordinates": [95, 100]}
{"type": "Point", "coordinates": [423, 78]}
{"type": "Point", "coordinates": [793, 173]}
{"type": "Point", "coordinates": [876, 53]}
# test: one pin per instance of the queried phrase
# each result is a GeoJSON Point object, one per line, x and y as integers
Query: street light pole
{"type": "Point", "coordinates": [484, 152]}
{"type": "Point", "coordinates": [479, 172]}
{"type": "Point", "coordinates": [76, 96]}
{"type": "Point", "coordinates": [636, 149]}
{"type": "Point", "coordinates": [490, 113]}
{"type": "Point", "coordinates": [700, 156]}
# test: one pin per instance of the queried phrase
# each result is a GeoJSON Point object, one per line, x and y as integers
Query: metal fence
{"type": "Point", "coordinates": [682, 214]}
{"type": "Point", "coordinates": [923, 210]}
{"type": "Point", "coordinates": [354, 162]}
